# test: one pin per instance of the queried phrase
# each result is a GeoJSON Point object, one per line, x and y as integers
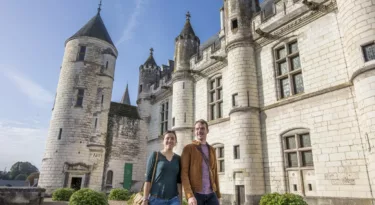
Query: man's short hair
{"type": "Point", "coordinates": [202, 121]}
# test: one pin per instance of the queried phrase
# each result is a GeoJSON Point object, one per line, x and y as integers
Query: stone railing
{"type": "Point", "coordinates": [21, 195]}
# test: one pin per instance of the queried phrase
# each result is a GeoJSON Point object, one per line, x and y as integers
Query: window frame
{"type": "Point", "coordinates": [107, 176]}
{"type": "Point", "coordinates": [290, 71]}
{"type": "Point", "coordinates": [164, 117]}
{"type": "Point", "coordinates": [298, 149]}
{"type": "Point", "coordinates": [364, 54]}
{"type": "Point", "coordinates": [220, 158]}
{"type": "Point", "coordinates": [80, 97]}
{"type": "Point", "coordinates": [236, 152]}
{"type": "Point", "coordinates": [81, 54]}
{"type": "Point", "coordinates": [215, 105]}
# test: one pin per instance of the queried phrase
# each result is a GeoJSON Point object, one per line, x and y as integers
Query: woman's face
{"type": "Point", "coordinates": [169, 141]}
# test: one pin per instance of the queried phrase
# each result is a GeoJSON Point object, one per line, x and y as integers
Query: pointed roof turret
{"type": "Point", "coordinates": [125, 98]}
{"type": "Point", "coordinates": [94, 28]}
{"type": "Point", "coordinates": [150, 60]}
{"type": "Point", "coordinates": [188, 29]}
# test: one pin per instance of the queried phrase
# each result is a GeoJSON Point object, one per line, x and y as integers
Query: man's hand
{"type": "Point", "coordinates": [145, 202]}
{"type": "Point", "coordinates": [192, 201]}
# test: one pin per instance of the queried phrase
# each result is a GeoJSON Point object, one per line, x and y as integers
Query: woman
{"type": "Point", "coordinates": [166, 186]}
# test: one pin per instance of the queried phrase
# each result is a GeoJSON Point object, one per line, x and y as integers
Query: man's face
{"type": "Point", "coordinates": [201, 131]}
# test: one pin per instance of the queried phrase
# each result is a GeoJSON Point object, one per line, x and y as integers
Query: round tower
{"type": "Point", "coordinates": [186, 45]}
{"type": "Point", "coordinates": [243, 88]}
{"type": "Point", "coordinates": [358, 32]}
{"type": "Point", "coordinates": [75, 148]}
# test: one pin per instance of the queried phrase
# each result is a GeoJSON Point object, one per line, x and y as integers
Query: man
{"type": "Point", "coordinates": [199, 169]}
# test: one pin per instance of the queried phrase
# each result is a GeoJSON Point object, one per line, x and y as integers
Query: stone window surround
{"type": "Point", "coordinates": [290, 73]}
{"type": "Point", "coordinates": [79, 95]}
{"type": "Point", "coordinates": [296, 132]}
{"type": "Point", "coordinates": [218, 103]}
{"type": "Point", "coordinates": [368, 43]}
{"type": "Point", "coordinates": [109, 178]}
{"type": "Point", "coordinates": [220, 158]}
{"type": "Point", "coordinates": [79, 52]}
{"type": "Point", "coordinates": [164, 116]}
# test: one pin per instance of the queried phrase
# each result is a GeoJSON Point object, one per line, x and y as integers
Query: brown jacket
{"type": "Point", "coordinates": [191, 170]}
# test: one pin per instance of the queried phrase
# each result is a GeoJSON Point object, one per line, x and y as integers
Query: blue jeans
{"type": "Point", "coordinates": [157, 201]}
{"type": "Point", "coordinates": [206, 199]}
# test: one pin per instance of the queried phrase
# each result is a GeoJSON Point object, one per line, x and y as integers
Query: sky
{"type": "Point", "coordinates": [32, 38]}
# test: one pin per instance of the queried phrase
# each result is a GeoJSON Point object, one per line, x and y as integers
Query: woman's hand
{"type": "Point", "coordinates": [145, 202]}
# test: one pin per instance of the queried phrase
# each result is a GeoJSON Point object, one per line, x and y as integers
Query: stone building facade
{"type": "Point", "coordinates": [287, 87]}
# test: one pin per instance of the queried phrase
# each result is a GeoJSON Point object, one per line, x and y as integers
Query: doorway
{"type": "Point", "coordinates": [240, 195]}
{"type": "Point", "coordinates": [76, 183]}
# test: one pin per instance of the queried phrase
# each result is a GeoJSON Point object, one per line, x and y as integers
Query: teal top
{"type": "Point", "coordinates": [167, 175]}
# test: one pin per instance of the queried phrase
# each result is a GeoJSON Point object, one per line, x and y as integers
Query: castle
{"type": "Point", "coordinates": [287, 87]}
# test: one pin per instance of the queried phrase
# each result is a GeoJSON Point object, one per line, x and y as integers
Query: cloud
{"type": "Point", "coordinates": [35, 92]}
{"type": "Point", "coordinates": [21, 141]}
{"type": "Point", "coordinates": [132, 22]}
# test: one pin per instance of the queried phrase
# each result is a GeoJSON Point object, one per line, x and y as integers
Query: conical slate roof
{"type": "Point", "coordinates": [94, 28]}
{"type": "Point", "coordinates": [125, 98]}
{"type": "Point", "coordinates": [150, 60]}
{"type": "Point", "coordinates": [188, 29]}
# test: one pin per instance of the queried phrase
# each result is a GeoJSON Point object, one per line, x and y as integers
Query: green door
{"type": "Point", "coordinates": [128, 176]}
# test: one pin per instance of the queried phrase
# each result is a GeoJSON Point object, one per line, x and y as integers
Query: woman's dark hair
{"type": "Point", "coordinates": [170, 132]}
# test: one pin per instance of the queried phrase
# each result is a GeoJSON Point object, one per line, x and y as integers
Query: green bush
{"type": "Point", "coordinates": [184, 202]}
{"type": "Point", "coordinates": [282, 199]}
{"type": "Point", "coordinates": [88, 196]}
{"type": "Point", "coordinates": [119, 194]}
{"type": "Point", "coordinates": [131, 198]}
{"type": "Point", "coordinates": [62, 194]}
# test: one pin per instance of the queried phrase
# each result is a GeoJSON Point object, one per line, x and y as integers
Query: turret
{"type": "Point", "coordinates": [358, 39]}
{"type": "Point", "coordinates": [147, 74]}
{"type": "Point", "coordinates": [125, 98]}
{"type": "Point", "coordinates": [75, 148]}
{"type": "Point", "coordinates": [186, 45]}
{"type": "Point", "coordinates": [243, 91]}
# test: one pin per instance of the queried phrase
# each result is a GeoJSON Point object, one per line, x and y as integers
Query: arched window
{"type": "Point", "coordinates": [109, 177]}
{"type": "Point", "coordinates": [299, 164]}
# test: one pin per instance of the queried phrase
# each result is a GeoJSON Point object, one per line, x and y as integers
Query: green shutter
{"type": "Point", "coordinates": [128, 176]}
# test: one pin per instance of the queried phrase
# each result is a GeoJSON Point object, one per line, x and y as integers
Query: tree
{"type": "Point", "coordinates": [22, 168]}
{"type": "Point", "coordinates": [4, 175]}
{"type": "Point", "coordinates": [21, 177]}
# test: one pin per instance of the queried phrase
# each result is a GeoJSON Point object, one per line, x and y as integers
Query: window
{"type": "Point", "coordinates": [220, 158]}
{"type": "Point", "coordinates": [369, 52]}
{"type": "Point", "coordinates": [60, 133]}
{"type": "Point", "coordinates": [106, 65]}
{"type": "Point", "coordinates": [236, 151]}
{"type": "Point", "coordinates": [234, 100]}
{"type": "Point", "coordinates": [288, 70]}
{"type": "Point", "coordinates": [96, 122]}
{"type": "Point", "coordinates": [234, 24]}
{"type": "Point", "coordinates": [299, 161]}
{"type": "Point", "coordinates": [102, 99]}
{"type": "Point", "coordinates": [82, 53]}
{"type": "Point", "coordinates": [80, 95]}
{"type": "Point", "coordinates": [109, 177]}
{"type": "Point", "coordinates": [164, 118]}
{"type": "Point", "coordinates": [216, 98]}
{"type": "Point", "coordinates": [173, 121]}
{"type": "Point", "coordinates": [140, 88]}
